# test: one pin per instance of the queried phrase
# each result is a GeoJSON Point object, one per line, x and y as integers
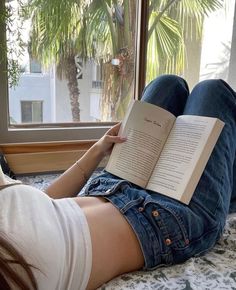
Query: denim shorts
{"type": "Point", "coordinates": [168, 231]}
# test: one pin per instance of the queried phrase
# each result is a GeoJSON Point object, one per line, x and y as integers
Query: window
{"type": "Point", "coordinates": [217, 44]}
{"type": "Point", "coordinates": [31, 111]}
{"type": "Point", "coordinates": [83, 91]}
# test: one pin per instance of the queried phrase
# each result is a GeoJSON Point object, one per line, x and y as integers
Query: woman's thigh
{"type": "Point", "coordinates": [116, 249]}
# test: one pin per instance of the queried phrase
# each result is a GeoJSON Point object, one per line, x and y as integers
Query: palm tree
{"type": "Point", "coordinates": [113, 38]}
{"type": "Point", "coordinates": [104, 30]}
{"type": "Point", "coordinates": [55, 26]}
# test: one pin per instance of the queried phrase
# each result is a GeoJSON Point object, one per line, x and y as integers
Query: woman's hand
{"type": "Point", "coordinates": [105, 144]}
{"type": "Point", "coordinates": [73, 179]}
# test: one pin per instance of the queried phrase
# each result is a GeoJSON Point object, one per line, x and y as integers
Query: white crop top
{"type": "Point", "coordinates": [52, 235]}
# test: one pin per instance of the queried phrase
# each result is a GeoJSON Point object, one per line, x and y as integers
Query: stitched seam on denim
{"type": "Point", "coordinates": [201, 237]}
{"type": "Point", "coordinates": [152, 237]}
{"type": "Point", "coordinates": [219, 203]}
{"type": "Point", "coordinates": [167, 256]}
{"type": "Point", "coordinates": [131, 204]}
{"type": "Point", "coordinates": [174, 214]}
{"type": "Point", "coordinates": [162, 224]}
{"type": "Point", "coordinates": [117, 185]}
{"type": "Point", "coordinates": [180, 222]}
{"type": "Point", "coordinates": [220, 199]}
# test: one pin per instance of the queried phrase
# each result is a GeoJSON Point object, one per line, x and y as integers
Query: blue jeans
{"type": "Point", "coordinates": [168, 231]}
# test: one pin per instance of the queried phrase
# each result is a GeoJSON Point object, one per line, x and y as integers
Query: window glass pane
{"type": "Point", "coordinates": [26, 112]}
{"type": "Point", "coordinates": [31, 111]}
{"type": "Point", "coordinates": [216, 42]}
{"type": "Point", "coordinates": [78, 60]}
{"type": "Point", "coordinates": [37, 112]}
{"type": "Point", "coordinates": [190, 38]}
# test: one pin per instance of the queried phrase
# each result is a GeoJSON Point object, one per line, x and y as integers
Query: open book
{"type": "Point", "coordinates": [163, 153]}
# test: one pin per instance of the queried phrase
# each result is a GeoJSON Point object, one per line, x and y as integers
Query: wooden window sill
{"type": "Point", "coordinates": [27, 158]}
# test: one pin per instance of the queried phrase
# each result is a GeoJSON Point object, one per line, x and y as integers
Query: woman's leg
{"type": "Point", "coordinates": [167, 91]}
{"type": "Point", "coordinates": [171, 92]}
{"type": "Point", "coordinates": [215, 98]}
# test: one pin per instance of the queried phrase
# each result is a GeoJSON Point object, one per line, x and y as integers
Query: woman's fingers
{"type": "Point", "coordinates": [113, 131]}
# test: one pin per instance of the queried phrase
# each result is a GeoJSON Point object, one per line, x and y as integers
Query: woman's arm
{"type": "Point", "coordinates": [74, 178]}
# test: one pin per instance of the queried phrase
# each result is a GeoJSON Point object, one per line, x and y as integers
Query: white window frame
{"type": "Point", "coordinates": [232, 61]}
{"type": "Point", "coordinates": [57, 132]}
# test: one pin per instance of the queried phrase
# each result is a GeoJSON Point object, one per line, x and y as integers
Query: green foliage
{"type": "Point", "coordinates": [171, 22]}
{"type": "Point", "coordinates": [104, 29]}
{"type": "Point", "coordinates": [165, 47]}
{"type": "Point", "coordinates": [12, 46]}
{"type": "Point", "coordinates": [55, 28]}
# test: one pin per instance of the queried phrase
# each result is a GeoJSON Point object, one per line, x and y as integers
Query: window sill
{"type": "Point", "coordinates": [27, 158]}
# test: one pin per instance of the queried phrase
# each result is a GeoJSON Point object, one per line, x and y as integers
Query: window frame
{"type": "Point", "coordinates": [72, 131]}
{"type": "Point", "coordinates": [232, 61]}
{"type": "Point", "coordinates": [86, 131]}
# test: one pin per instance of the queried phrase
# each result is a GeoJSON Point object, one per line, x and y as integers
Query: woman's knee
{"type": "Point", "coordinates": [210, 97]}
{"type": "Point", "coordinates": [167, 91]}
{"type": "Point", "coordinates": [213, 88]}
{"type": "Point", "coordinates": [167, 81]}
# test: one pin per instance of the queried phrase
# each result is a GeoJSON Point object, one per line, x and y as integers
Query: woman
{"type": "Point", "coordinates": [72, 242]}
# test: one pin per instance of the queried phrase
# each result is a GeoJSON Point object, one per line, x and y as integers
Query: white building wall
{"type": "Point", "coordinates": [88, 98]}
{"type": "Point", "coordinates": [62, 102]}
{"type": "Point", "coordinates": [85, 87]}
{"type": "Point", "coordinates": [54, 94]}
{"type": "Point", "coordinates": [32, 87]}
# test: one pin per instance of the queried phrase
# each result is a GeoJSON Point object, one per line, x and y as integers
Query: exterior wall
{"type": "Point", "coordinates": [32, 87]}
{"type": "Point", "coordinates": [85, 86]}
{"type": "Point", "coordinates": [62, 102]}
{"type": "Point", "coordinates": [46, 87]}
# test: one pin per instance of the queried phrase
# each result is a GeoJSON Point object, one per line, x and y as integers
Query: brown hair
{"type": "Point", "coordinates": [9, 255]}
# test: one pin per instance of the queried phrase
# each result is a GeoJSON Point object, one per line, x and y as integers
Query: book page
{"type": "Point", "coordinates": [183, 155]}
{"type": "Point", "coordinates": [146, 127]}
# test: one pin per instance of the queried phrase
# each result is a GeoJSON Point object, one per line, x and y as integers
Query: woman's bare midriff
{"type": "Point", "coordinates": [115, 247]}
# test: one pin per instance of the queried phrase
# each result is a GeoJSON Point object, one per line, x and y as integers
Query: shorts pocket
{"type": "Point", "coordinates": [170, 224]}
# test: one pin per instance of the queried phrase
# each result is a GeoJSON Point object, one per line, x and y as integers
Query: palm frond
{"type": "Point", "coordinates": [165, 47]}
